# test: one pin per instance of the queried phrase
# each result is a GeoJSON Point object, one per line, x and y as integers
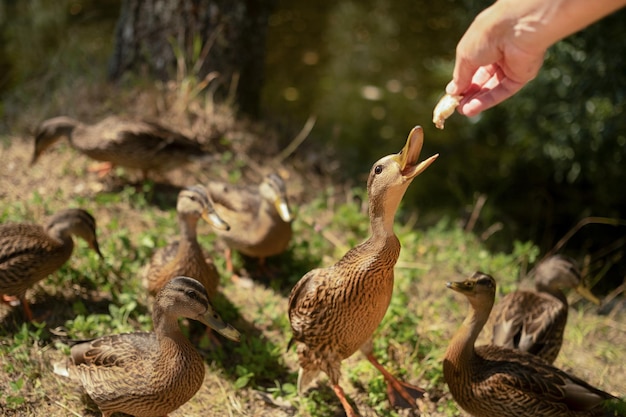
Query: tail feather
{"type": "Point", "coordinates": [305, 378]}
{"type": "Point", "coordinates": [60, 368]}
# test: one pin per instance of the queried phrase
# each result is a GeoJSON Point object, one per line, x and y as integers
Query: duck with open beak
{"type": "Point", "coordinates": [334, 311]}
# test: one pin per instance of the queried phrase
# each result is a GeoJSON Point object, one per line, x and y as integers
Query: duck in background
{"type": "Point", "coordinates": [534, 321]}
{"type": "Point", "coordinates": [259, 216]}
{"type": "Point", "coordinates": [185, 256]}
{"type": "Point", "coordinates": [137, 144]}
{"type": "Point", "coordinates": [30, 252]}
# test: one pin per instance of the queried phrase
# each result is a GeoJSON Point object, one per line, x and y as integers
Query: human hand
{"type": "Point", "coordinates": [493, 62]}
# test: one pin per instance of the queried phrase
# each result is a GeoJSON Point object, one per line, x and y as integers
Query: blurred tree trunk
{"type": "Point", "coordinates": [232, 33]}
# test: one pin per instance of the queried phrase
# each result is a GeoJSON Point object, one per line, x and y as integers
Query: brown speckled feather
{"type": "Point", "coordinates": [534, 321]}
{"type": "Point", "coordinates": [192, 261]}
{"type": "Point", "coordinates": [334, 311]}
{"type": "Point", "coordinates": [27, 255]}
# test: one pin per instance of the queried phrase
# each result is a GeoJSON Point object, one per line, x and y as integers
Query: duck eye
{"type": "Point", "coordinates": [378, 169]}
{"type": "Point", "coordinates": [192, 294]}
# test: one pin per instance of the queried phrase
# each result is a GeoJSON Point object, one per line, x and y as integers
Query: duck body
{"type": "Point", "coordinates": [185, 257]}
{"type": "Point", "coordinates": [170, 369]}
{"type": "Point", "coordinates": [148, 374]}
{"type": "Point", "coordinates": [137, 144]}
{"type": "Point", "coordinates": [534, 321]}
{"type": "Point", "coordinates": [181, 257]}
{"type": "Point", "coordinates": [495, 381]}
{"type": "Point", "coordinates": [334, 311]}
{"type": "Point", "coordinates": [259, 216]}
{"type": "Point", "coordinates": [30, 252]}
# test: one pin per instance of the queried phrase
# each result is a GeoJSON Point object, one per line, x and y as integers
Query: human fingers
{"type": "Point", "coordinates": [494, 91]}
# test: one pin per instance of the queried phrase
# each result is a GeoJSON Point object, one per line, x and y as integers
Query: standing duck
{"type": "Point", "coordinates": [259, 216]}
{"type": "Point", "coordinates": [493, 381]}
{"type": "Point", "coordinates": [29, 252]}
{"type": "Point", "coordinates": [534, 321]}
{"type": "Point", "coordinates": [142, 145]}
{"type": "Point", "coordinates": [185, 256]}
{"type": "Point", "coordinates": [148, 373]}
{"type": "Point", "coordinates": [334, 311]}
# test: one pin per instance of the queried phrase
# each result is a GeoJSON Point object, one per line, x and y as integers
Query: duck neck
{"type": "Point", "coordinates": [382, 211]}
{"type": "Point", "coordinates": [188, 226]}
{"type": "Point", "coordinates": [66, 126]}
{"type": "Point", "coordinates": [553, 291]}
{"type": "Point", "coordinates": [461, 348]}
{"type": "Point", "coordinates": [268, 210]}
{"type": "Point", "coordinates": [166, 327]}
{"type": "Point", "coordinates": [61, 233]}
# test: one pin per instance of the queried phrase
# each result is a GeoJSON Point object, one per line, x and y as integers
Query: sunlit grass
{"type": "Point", "coordinates": [89, 297]}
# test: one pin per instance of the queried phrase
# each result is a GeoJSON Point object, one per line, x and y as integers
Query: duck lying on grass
{"type": "Point", "coordinates": [148, 373]}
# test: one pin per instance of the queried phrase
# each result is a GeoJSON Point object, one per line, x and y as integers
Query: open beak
{"type": "Point", "coordinates": [211, 319]}
{"type": "Point", "coordinates": [408, 156]}
{"type": "Point", "coordinates": [585, 292]}
{"type": "Point", "coordinates": [283, 209]}
{"type": "Point", "coordinates": [212, 218]}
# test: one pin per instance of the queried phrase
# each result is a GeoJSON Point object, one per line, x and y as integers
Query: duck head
{"type": "Point", "coordinates": [274, 190]}
{"type": "Point", "coordinates": [391, 175]}
{"type": "Point", "coordinates": [49, 132]}
{"type": "Point", "coordinates": [194, 201]}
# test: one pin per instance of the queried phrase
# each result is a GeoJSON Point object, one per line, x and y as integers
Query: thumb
{"type": "Point", "coordinates": [461, 78]}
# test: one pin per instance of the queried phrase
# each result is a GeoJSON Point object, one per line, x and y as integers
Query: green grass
{"type": "Point", "coordinates": [89, 297]}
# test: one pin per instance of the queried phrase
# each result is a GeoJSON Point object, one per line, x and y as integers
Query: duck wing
{"type": "Point", "coordinates": [531, 322]}
{"type": "Point", "coordinates": [535, 383]}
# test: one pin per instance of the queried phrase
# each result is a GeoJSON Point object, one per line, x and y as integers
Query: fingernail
{"type": "Point", "coordinates": [451, 87]}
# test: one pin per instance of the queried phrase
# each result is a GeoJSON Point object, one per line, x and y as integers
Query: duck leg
{"type": "Point", "coordinates": [27, 311]}
{"type": "Point", "coordinates": [13, 301]}
{"type": "Point", "coordinates": [400, 394]}
{"type": "Point", "coordinates": [228, 254]}
{"type": "Point", "coordinates": [102, 168]}
{"type": "Point", "coordinates": [235, 277]}
{"type": "Point", "coordinates": [344, 401]}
